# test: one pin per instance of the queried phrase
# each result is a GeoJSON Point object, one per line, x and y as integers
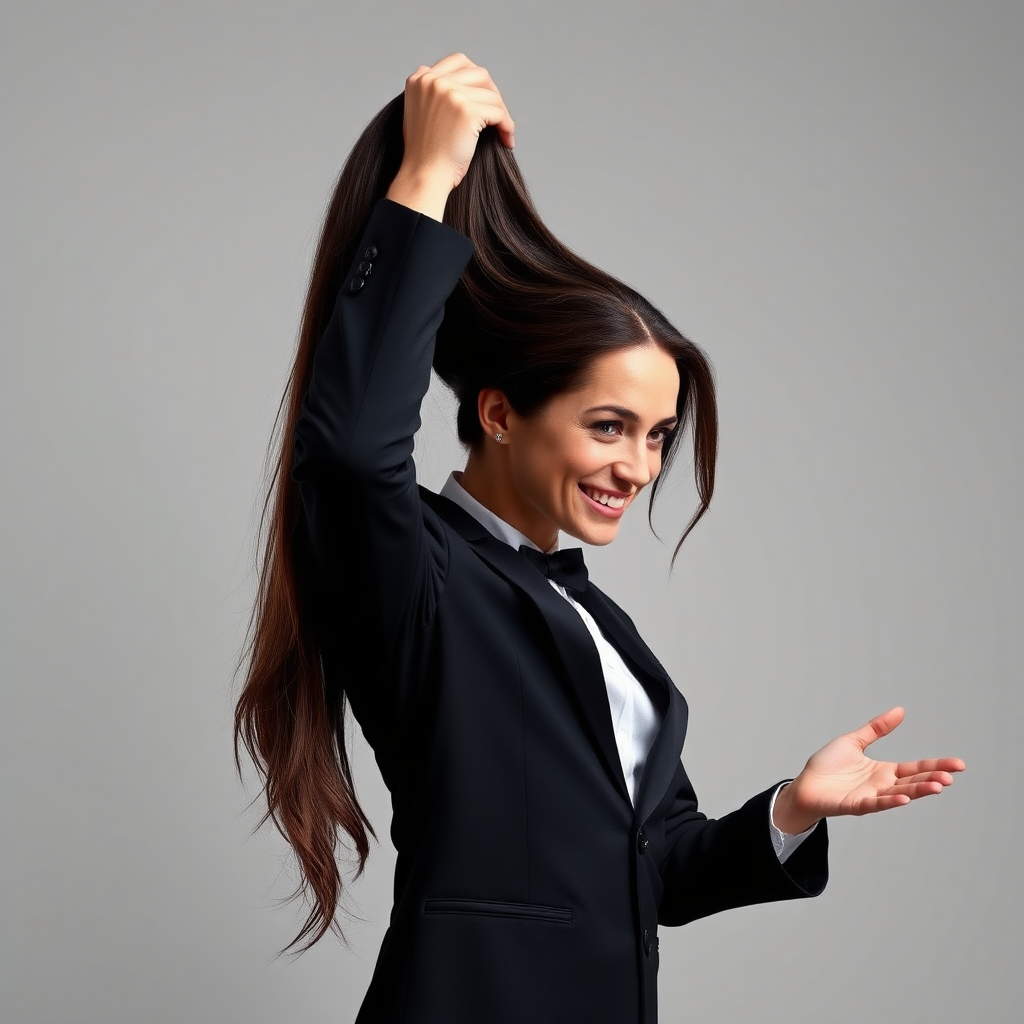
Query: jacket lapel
{"type": "Point", "coordinates": [567, 630]}
{"type": "Point", "coordinates": [663, 757]}
{"type": "Point", "coordinates": [623, 635]}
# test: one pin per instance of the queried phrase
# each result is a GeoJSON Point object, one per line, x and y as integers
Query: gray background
{"type": "Point", "coordinates": [821, 194]}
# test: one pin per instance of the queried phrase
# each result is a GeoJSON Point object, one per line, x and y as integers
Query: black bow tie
{"type": "Point", "coordinates": [566, 567]}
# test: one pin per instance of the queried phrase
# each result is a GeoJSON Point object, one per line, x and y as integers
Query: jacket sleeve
{"type": "Point", "coordinates": [375, 558]}
{"type": "Point", "coordinates": [714, 864]}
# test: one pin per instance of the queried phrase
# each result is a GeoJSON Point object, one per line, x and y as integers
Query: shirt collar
{"type": "Point", "coordinates": [454, 491]}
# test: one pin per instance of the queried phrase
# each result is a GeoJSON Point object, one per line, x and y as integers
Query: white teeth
{"type": "Point", "coordinates": [606, 499]}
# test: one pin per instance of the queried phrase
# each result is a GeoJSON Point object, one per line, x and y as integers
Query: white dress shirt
{"type": "Point", "coordinates": [635, 719]}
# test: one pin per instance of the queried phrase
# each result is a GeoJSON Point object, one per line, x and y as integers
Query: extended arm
{"type": "Point", "coordinates": [710, 865]}
{"type": "Point", "coordinates": [714, 864]}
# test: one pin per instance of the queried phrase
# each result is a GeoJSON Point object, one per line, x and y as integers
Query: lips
{"type": "Point", "coordinates": [607, 503]}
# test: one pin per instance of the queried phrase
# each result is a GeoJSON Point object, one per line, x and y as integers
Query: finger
{"type": "Point", "coordinates": [881, 803]}
{"type": "Point", "coordinates": [914, 790]}
{"type": "Point", "coordinates": [480, 94]}
{"type": "Point", "coordinates": [473, 74]}
{"type": "Point", "coordinates": [878, 727]}
{"type": "Point", "coordinates": [935, 764]}
{"type": "Point", "coordinates": [452, 62]}
{"type": "Point", "coordinates": [481, 103]}
{"type": "Point", "coordinates": [498, 116]}
{"type": "Point", "coordinates": [490, 100]}
{"type": "Point", "coordinates": [943, 778]}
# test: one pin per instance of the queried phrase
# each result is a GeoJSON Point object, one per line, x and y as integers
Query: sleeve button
{"type": "Point", "coordinates": [356, 283]}
{"type": "Point", "coordinates": [371, 253]}
{"type": "Point", "coordinates": [365, 267]}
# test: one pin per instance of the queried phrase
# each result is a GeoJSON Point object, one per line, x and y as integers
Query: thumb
{"type": "Point", "coordinates": [878, 727]}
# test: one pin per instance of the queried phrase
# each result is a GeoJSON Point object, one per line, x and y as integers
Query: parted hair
{"type": "Point", "coordinates": [527, 316]}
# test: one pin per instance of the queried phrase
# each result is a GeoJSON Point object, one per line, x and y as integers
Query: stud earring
{"type": "Point", "coordinates": [498, 437]}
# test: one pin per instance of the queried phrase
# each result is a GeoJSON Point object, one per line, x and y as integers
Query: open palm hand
{"type": "Point", "coordinates": [841, 779]}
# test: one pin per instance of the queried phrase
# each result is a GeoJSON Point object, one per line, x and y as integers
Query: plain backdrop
{"type": "Point", "coordinates": [825, 196]}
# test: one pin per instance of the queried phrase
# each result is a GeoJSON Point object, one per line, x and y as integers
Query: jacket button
{"type": "Point", "coordinates": [647, 943]}
{"type": "Point", "coordinates": [642, 842]}
{"type": "Point", "coordinates": [365, 267]}
{"type": "Point", "coordinates": [356, 283]}
{"type": "Point", "coordinates": [371, 253]}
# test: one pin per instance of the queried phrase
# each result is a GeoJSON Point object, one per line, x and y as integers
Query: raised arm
{"type": "Point", "coordinates": [354, 437]}
{"type": "Point", "coordinates": [363, 519]}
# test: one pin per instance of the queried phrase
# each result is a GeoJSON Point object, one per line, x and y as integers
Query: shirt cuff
{"type": "Point", "coordinates": [785, 842]}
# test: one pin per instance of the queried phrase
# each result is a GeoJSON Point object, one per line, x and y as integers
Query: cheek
{"type": "Point", "coordinates": [536, 467]}
{"type": "Point", "coordinates": [548, 471]}
{"type": "Point", "coordinates": [583, 460]}
{"type": "Point", "coordinates": [559, 453]}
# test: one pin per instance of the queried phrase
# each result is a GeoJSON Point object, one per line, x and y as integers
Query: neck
{"type": "Point", "coordinates": [487, 478]}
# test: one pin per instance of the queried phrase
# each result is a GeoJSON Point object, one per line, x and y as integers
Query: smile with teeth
{"type": "Point", "coordinates": [604, 498]}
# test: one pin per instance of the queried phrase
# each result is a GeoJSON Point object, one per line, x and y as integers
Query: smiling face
{"type": "Point", "coordinates": [581, 460]}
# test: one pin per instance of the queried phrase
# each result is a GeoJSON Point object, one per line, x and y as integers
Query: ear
{"type": "Point", "coordinates": [493, 408]}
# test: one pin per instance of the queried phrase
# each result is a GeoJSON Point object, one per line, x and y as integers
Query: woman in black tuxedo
{"type": "Point", "coordinates": [544, 824]}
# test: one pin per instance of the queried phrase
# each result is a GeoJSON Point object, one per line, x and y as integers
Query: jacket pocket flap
{"type": "Point", "coordinates": [498, 908]}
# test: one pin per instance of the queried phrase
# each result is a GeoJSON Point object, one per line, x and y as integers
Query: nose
{"type": "Point", "coordinates": [637, 467]}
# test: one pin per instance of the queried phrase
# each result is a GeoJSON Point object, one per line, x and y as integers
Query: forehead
{"type": "Point", "coordinates": [643, 378]}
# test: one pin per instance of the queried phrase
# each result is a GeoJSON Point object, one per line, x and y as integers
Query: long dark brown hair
{"type": "Point", "coordinates": [527, 316]}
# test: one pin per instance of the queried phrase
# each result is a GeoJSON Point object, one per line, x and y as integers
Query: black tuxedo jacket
{"type": "Point", "coordinates": [528, 887]}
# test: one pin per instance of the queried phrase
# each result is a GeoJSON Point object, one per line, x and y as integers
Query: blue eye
{"type": "Point", "coordinates": [607, 423]}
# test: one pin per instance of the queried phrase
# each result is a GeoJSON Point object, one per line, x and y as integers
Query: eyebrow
{"type": "Point", "coordinates": [628, 414]}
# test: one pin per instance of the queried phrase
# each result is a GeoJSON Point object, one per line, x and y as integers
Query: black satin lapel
{"type": "Point", "coordinates": [574, 643]}
{"type": "Point", "coordinates": [571, 637]}
{"type": "Point", "coordinates": [663, 758]}
{"type": "Point", "coordinates": [625, 639]}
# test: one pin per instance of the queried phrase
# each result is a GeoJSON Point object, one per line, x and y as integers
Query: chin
{"type": "Point", "coordinates": [597, 536]}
